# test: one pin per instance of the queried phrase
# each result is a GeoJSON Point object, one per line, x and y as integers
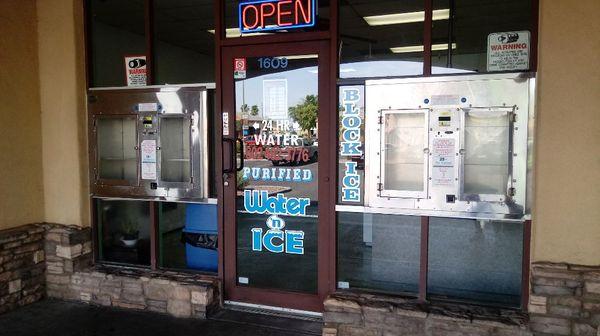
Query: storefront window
{"type": "Point", "coordinates": [269, 17]}
{"type": "Point", "coordinates": [116, 29]}
{"type": "Point", "coordinates": [378, 252]}
{"type": "Point", "coordinates": [188, 236]}
{"type": "Point", "coordinates": [184, 41]}
{"type": "Point", "coordinates": [477, 260]}
{"type": "Point", "coordinates": [124, 231]}
{"type": "Point", "coordinates": [463, 38]}
{"type": "Point", "coordinates": [382, 38]}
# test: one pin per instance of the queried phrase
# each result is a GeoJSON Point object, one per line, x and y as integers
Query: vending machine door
{"type": "Point", "coordinates": [404, 152]}
{"type": "Point", "coordinates": [116, 156]}
{"type": "Point", "coordinates": [487, 154]}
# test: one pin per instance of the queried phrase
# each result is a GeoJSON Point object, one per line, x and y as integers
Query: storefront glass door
{"type": "Point", "coordinates": [272, 225]}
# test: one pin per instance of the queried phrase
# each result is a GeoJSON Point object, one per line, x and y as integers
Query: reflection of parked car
{"type": "Point", "coordinates": [307, 151]}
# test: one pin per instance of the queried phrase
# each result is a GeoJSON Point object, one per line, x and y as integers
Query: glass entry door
{"type": "Point", "coordinates": [272, 225]}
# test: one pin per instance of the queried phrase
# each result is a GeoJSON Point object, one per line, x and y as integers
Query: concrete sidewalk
{"type": "Point", "coordinates": [51, 317]}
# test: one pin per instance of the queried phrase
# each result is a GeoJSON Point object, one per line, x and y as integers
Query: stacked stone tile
{"type": "Point", "coordinates": [565, 300]}
{"type": "Point", "coordinates": [21, 266]}
{"type": "Point", "coordinates": [70, 277]}
{"type": "Point", "coordinates": [370, 315]}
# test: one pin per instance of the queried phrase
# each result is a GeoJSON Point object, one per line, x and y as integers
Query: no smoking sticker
{"type": "Point", "coordinates": [239, 68]}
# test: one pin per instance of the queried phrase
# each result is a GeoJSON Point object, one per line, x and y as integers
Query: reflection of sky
{"type": "Point", "coordinates": [303, 81]}
{"type": "Point", "coordinates": [300, 83]}
{"type": "Point", "coordinates": [388, 69]}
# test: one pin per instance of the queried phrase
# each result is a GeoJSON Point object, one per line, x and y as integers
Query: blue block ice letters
{"type": "Point", "coordinates": [351, 143]}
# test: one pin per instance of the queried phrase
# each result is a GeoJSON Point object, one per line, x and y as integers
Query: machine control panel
{"type": "Point", "coordinates": [444, 130]}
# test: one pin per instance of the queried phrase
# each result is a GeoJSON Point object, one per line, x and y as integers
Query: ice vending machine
{"type": "Point", "coordinates": [149, 143]}
{"type": "Point", "coordinates": [456, 146]}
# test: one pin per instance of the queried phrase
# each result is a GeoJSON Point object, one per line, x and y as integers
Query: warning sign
{"type": "Point", "coordinates": [136, 70]}
{"type": "Point", "coordinates": [239, 68]}
{"type": "Point", "coordinates": [508, 51]}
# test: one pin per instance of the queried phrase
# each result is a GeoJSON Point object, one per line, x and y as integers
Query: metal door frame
{"type": "Point", "coordinates": [326, 181]}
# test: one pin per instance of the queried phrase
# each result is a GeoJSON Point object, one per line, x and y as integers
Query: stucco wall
{"type": "Point", "coordinates": [62, 89]}
{"type": "Point", "coordinates": [21, 188]}
{"type": "Point", "coordinates": [566, 224]}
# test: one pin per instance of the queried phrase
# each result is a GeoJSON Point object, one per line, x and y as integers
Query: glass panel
{"type": "Point", "coordinates": [116, 29]}
{"type": "Point", "coordinates": [277, 116]}
{"type": "Point", "coordinates": [475, 260]}
{"type": "Point", "coordinates": [467, 32]}
{"type": "Point", "coordinates": [404, 145]}
{"type": "Point", "coordinates": [124, 231]}
{"type": "Point", "coordinates": [486, 153]}
{"type": "Point", "coordinates": [378, 252]}
{"type": "Point", "coordinates": [188, 236]}
{"type": "Point", "coordinates": [232, 20]}
{"type": "Point", "coordinates": [117, 157]}
{"type": "Point", "coordinates": [184, 47]}
{"type": "Point", "coordinates": [175, 149]}
{"type": "Point", "coordinates": [382, 38]}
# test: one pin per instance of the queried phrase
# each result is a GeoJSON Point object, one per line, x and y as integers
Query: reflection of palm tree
{"type": "Point", "coordinates": [306, 112]}
{"type": "Point", "coordinates": [244, 109]}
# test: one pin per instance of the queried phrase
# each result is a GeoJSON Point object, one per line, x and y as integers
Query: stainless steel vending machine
{"type": "Point", "coordinates": [149, 143]}
{"type": "Point", "coordinates": [456, 146]}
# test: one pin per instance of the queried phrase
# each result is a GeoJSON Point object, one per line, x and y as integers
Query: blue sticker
{"type": "Point", "coordinates": [350, 144]}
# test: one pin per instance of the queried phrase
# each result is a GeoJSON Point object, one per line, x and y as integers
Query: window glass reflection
{"type": "Point", "coordinates": [124, 231]}
{"type": "Point", "coordinates": [478, 260]}
{"type": "Point", "coordinates": [462, 39]}
{"type": "Point", "coordinates": [378, 252]}
{"type": "Point", "coordinates": [117, 30]}
{"type": "Point", "coordinates": [381, 38]}
{"type": "Point", "coordinates": [184, 41]}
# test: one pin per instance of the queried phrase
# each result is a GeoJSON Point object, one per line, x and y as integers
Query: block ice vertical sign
{"type": "Point", "coordinates": [351, 143]}
{"type": "Point", "coordinates": [136, 70]}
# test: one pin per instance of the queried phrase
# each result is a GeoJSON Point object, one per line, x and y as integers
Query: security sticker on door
{"type": "Point", "coordinates": [239, 68]}
{"type": "Point", "coordinates": [148, 159]}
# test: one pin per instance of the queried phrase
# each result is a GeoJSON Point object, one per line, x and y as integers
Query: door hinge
{"type": "Point", "coordinates": [513, 117]}
{"type": "Point", "coordinates": [380, 121]}
{"type": "Point", "coordinates": [379, 186]}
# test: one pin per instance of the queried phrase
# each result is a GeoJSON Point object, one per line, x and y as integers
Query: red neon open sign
{"type": "Point", "coordinates": [265, 15]}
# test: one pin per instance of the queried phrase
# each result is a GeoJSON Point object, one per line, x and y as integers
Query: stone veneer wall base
{"type": "Point", "coordinates": [372, 315]}
{"type": "Point", "coordinates": [565, 300]}
{"type": "Point", "coordinates": [70, 276]}
{"type": "Point", "coordinates": [21, 266]}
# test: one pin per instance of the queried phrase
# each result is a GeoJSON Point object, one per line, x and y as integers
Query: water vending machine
{"type": "Point", "coordinates": [456, 146]}
{"type": "Point", "coordinates": [149, 143]}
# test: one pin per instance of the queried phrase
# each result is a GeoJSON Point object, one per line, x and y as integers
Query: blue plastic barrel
{"type": "Point", "coordinates": [201, 222]}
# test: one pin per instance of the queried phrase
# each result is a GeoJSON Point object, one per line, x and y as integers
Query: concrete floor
{"type": "Point", "coordinates": [50, 317]}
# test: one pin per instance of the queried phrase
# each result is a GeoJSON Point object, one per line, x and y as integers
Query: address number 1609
{"type": "Point", "coordinates": [272, 62]}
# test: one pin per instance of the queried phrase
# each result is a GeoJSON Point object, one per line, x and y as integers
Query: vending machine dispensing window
{"type": "Point", "coordinates": [149, 142]}
{"type": "Point", "coordinates": [450, 146]}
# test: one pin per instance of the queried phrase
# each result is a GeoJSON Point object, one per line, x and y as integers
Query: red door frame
{"type": "Point", "coordinates": [326, 182]}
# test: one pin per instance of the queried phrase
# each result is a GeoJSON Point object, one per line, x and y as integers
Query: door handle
{"type": "Point", "coordinates": [241, 166]}
{"type": "Point", "coordinates": [231, 169]}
